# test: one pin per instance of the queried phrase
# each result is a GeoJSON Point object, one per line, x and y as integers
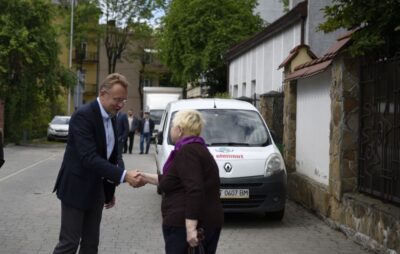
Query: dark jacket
{"type": "Point", "coordinates": [191, 189]}
{"type": "Point", "coordinates": [135, 124]}
{"type": "Point", "coordinates": [141, 125]}
{"type": "Point", "coordinates": [85, 167]}
{"type": "Point", "coordinates": [122, 126]}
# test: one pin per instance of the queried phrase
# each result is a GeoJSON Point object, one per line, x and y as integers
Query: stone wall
{"type": "Point", "coordinates": [271, 108]}
{"type": "Point", "coordinates": [366, 220]}
{"type": "Point", "coordinates": [344, 127]}
{"type": "Point", "coordinates": [289, 125]}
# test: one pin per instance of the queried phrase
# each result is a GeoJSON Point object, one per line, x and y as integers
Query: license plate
{"type": "Point", "coordinates": [234, 193]}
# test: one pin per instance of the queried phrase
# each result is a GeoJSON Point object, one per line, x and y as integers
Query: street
{"type": "Point", "coordinates": [30, 215]}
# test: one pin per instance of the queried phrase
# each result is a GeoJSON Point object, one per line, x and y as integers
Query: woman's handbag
{"type": "Point", "coordinates": [199, 248]}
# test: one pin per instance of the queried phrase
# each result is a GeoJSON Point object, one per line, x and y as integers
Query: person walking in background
{"type": "Point", "coordinates": [191, 206]}
{"type": "Point", "coordinates": [1, 149]}
{"type": "Point", "coordinates": [133, 122]}
{"type": "Point", "coordinates": [89, 173]}
{"type": "Point", "coordinates": [122, 133]}
{"type": "Point", "coordinates": [146, 128]}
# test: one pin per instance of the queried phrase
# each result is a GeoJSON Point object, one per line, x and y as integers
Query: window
{"type": "Point", "coordinates": [235, 91]}
{"type": "Point", "coordinates": [253, 88]}
{"type": "Point", "coordinates": [244, 89]}
{"type": "Point", "coordinates": [246, 128]}
{"type": "Point", "coordinates": [147, 82]}
{"type": "Point", "coordinates": [149, 56]}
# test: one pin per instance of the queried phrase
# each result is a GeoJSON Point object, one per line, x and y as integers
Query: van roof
{"type": "Point", "coordinates": [210, 103]}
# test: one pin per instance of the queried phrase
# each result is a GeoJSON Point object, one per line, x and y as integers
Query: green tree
{"type": "Point", "coordinates": [31, 76]}
{"type": "Point", "coordinates": [123, 18]}
{"type": "Point", "coordinates": [285, 5]}
{"type": "Point", "coordinates": [195, 35]}
{"type": "Point", "coordinates": [377, 23]}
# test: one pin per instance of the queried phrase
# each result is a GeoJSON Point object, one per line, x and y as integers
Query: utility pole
{"type": "Point", "coordinates": [71, 34]}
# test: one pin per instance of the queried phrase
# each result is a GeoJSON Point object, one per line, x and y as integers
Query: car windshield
{"type": "Point", "coordinates": [233, 127]}
{"type": "Point", "coordinates": [60, 120]}
{"type": "Point", "coordinates": [156, 115]}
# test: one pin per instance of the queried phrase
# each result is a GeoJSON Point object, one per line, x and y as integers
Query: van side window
{"type": "Point", "coordinates": [164, 121]}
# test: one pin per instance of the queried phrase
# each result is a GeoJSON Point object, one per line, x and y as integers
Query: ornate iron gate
{"type": "Point", "coordinates": [379, 158]}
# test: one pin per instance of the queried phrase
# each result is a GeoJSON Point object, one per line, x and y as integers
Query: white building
{"type": "Point", "coordinates": [253, 64]}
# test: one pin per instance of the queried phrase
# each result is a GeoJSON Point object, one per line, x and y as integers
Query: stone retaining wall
{"type": "Point", "coordinates": [366, 220]}
{"type": "Point", "coordinates": [271, 108]}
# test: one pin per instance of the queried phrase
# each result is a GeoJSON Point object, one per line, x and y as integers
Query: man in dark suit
{"type": "Point", "coordinates": [122, 133]}
{"type": "Point", "coordinates": [133, 122]}
{"type": "Point", "coordinates": [89, 172]}
{"type": "Point", "coordinates": [146, 128]}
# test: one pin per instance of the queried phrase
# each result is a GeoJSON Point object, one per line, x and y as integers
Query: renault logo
{"type": "Point", "coordinates": [228, 167]}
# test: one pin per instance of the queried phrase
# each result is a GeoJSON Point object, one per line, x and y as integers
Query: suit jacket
{"type": "Point", "coordinates": [122, 126]}
{"type": "Point", "coordinates": [141, 125]}
{"type": "Point", "coordinates": [135, 124]}
{"type": "Point", "coordinates": [85, 167]}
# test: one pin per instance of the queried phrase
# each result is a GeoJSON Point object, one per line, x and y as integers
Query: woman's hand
{"type": "Point", "coordinates": [191, 238]}
{"type": "Point", "coordinates": [191, 232]}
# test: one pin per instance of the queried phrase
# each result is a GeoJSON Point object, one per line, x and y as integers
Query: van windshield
{"type": "Point", "coordinates": [156, 115]}
{"type": "Point", "coordinates": [233, 127]}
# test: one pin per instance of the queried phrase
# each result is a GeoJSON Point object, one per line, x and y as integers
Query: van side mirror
{"type": "Point", "coordinates": [159, 138]}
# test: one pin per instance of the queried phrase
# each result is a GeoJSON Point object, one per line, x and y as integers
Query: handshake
{"type": "Point", "coordinates": [135, 178]}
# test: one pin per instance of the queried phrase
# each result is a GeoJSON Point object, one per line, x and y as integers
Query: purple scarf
{"type": "Point", "coordinates": [178, 146]}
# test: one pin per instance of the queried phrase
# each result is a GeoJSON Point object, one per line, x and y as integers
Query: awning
{"type": "Point", "coordinates": [321, 64]}
{"type": "Point", "coordinates": [308, 71]}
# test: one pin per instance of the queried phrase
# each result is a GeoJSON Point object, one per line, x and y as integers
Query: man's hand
{"type": "Point", "coordinates": [111, 204]}
{"type": "Point", "coordinates": [134, 178]}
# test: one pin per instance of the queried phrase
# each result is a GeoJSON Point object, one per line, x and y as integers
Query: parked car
{"type": "Point", "coordinates": [58, 128]}
{"type": "Point", "coordinates": [251, 168]}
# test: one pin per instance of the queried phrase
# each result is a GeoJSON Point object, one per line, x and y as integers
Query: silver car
{"type": "Point", "coordinates": [58, 128]}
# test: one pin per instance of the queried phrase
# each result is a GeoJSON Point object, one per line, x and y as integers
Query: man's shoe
{"type": "Point", "coordinates": [141, 153]}
{"type": "Point", "coordinates": [130, 152]}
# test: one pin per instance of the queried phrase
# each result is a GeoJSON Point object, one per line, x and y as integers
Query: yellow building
{"type": "Point", "coordinates": [84, 64]}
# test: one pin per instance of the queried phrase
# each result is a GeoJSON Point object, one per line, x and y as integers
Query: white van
{"type": "Point", "coordinates": [251, 168]}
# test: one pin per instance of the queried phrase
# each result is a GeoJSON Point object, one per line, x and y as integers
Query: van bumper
{"type": "Point", "coordinates": [266, 194]}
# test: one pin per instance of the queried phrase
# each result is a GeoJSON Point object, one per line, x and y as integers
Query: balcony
{"type": "Point", "coordinates": [90, 89]}
{"type": "Point", "coordinates": [87, 57]}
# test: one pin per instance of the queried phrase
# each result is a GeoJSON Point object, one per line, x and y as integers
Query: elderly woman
{"type": "Point", "coordinates": [191, 208]}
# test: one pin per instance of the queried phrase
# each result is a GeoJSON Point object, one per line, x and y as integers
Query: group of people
{"type": "Point", "coordinates": [192, 214]}
{"type": "Point", "coordinates": [128, 125]}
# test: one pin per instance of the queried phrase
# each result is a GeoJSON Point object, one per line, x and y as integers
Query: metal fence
{"type": "Point", "coordinates": [379, 158]}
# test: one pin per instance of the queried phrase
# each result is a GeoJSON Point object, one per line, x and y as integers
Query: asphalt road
{"type": "Point", "coordinates": [30, 215]}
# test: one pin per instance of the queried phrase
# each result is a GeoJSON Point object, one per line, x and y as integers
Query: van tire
{"type": "Point", "coordinates": [276, 216]}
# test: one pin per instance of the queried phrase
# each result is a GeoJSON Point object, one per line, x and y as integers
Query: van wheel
{"type": "Point", "coordinates": [277, 216]}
